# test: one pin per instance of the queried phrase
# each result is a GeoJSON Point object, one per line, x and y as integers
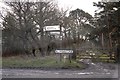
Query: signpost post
{"type": "Point", "coordinates": [69, 52]}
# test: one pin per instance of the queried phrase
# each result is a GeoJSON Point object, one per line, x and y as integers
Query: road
{"type": "Point", "coordinates": [98, 70]}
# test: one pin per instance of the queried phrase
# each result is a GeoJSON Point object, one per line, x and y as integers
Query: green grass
{"type": "Point", "coordinates": [43, 62]}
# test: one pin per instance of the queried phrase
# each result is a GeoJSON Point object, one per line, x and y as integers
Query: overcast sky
{"type": "Point", "coordinates": [86, 5]}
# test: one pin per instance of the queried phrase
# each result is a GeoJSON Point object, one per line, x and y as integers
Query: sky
{"type": "Point", "coordinates": [86, 5]}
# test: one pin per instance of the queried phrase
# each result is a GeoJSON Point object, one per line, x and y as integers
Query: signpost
{"type": "Point", "coordinates": [69, 52]}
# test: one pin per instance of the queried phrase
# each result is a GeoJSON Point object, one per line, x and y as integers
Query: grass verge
{"type": "Point", "coordinates": [43, 62]}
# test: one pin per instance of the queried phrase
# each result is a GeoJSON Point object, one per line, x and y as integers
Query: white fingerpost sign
{"type": "Point", "coordinates": [60, 52]}
{"type": "Point", "coordinates": [64, 51]}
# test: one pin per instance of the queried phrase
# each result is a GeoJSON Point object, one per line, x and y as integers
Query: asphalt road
{"type": "Point", "coordinates": [98, 70]}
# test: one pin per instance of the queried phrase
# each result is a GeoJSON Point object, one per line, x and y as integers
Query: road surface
{"type": "Point", "coordinates": [98, 70]}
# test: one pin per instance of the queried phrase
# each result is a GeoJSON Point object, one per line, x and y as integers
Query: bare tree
{"type": "Point", "coordinates": [46, 13]}
{"type": "Point", "coordinates": [29, 20]}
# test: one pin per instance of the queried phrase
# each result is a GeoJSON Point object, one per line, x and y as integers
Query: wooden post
{"type": "Point", "coordinates": [60, 42]}
{"type": "Point", "coordinates": [102, 41]}
{"type": "Point", "coordinates": [60, 57]}
{"type": "Point", "coordinates": [70, 58]}
{"type": "Point", "coordinates": [69, 38]}
{"type": "Point", "coordinates": [110, 40]}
